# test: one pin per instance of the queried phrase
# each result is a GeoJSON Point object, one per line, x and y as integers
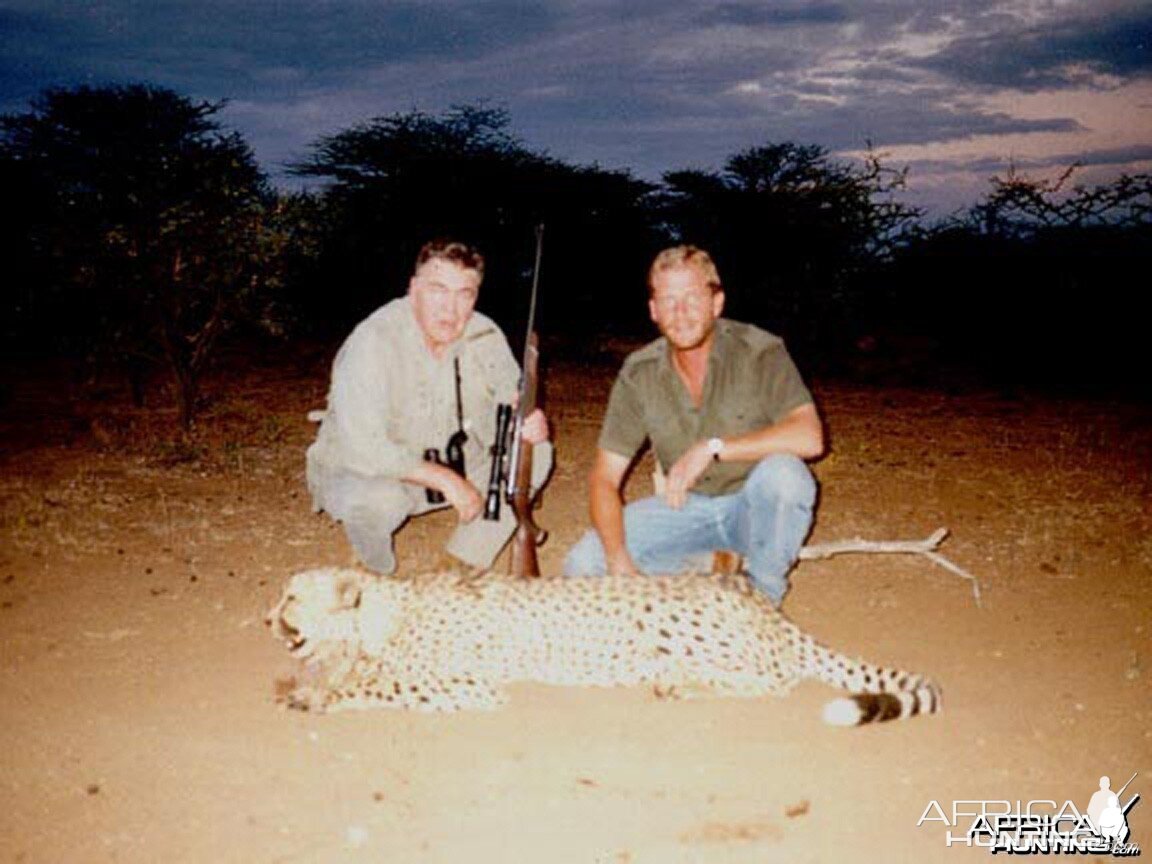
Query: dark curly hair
{"type": "Point", "coordinates": [452, 251]}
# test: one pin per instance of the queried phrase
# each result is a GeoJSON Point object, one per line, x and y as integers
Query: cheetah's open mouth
{"type": "Point", "coordinates": [292, 636]}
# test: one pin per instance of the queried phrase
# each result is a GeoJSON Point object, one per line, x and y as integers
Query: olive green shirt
{"type": "Point", "coordinates": [751, 384]}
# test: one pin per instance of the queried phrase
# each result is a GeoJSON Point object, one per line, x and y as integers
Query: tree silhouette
{"type": "Point", "coordinates": [149, 226]}
{"type": "Point", "coordinates": [396, 181]}
{"type": "Point", "coordinates": [792, 230]}
{"type": "Point", "coordinates": [1022, 206]}
{"type": "Point", "coordinates": [1038, 285]}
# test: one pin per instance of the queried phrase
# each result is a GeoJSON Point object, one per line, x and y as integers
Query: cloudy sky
{"type": "Point", "coordinates": [958, 90]}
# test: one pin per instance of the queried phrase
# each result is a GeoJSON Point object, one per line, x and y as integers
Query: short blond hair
{"type": "Point", "coordinates": [689, 257]}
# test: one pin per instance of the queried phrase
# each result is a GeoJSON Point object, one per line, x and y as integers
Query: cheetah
{"type": "Point", "coordinates": [437, 643]}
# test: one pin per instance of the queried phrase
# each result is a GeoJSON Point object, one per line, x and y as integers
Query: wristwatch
{"type": "Point", "coordinates": [715, 447]}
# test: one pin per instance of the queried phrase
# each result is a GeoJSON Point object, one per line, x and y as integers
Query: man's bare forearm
{"type": "Point", "coordinates": [607, 506]}
{"type": "Point", "coordinates": [431, 475]}
{"type": "Point", "coordinates": [456, 489]}
{"type": "Point", "coordinates": [800, 433]}
{"type": "Point", "coordinates": [607, 515]}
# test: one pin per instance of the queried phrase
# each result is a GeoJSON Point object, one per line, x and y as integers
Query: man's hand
{"type": "Point", "coordinates": [535, 430]}
{"type": "Point", "coordinates": [465, 497]}
{"type": "Point", "coordinates": [621, 564]}
{"type": "Point", "coordinates": [684, 474]}
{"type": "Point", "coordinates": [457, 490]}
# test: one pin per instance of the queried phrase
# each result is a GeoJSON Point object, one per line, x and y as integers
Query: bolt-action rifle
{"type": "Point", "coordinates": [511, 474]}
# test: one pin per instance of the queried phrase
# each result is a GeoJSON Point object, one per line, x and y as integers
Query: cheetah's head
{"type": "Point", "coordinates": [317, 611]}
{"type": "Point", "coordinates": [328, 613]}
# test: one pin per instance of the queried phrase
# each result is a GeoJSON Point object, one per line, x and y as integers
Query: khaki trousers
{"type": "Point", "coordinates": [373, 509]}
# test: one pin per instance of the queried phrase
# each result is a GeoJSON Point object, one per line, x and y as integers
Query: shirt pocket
{"type": "Point", "coordinates": [739, 415]}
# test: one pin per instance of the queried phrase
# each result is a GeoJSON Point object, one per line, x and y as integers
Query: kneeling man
{"type": "Point", "coordinates": [730, 422]}
{"type": "Point", "coordinates": [417, 372]}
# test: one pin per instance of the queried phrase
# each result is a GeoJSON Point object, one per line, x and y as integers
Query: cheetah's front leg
{"type": "Point", "coordinates": [416, 691]}
{"type": "Point", "coordinates": [371, 684]}
{"type": "Point", "coordinates": [302, 696]}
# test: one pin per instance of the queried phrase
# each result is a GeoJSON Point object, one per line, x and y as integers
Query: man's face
{"type": "Point", "coordinates": [684, 307]}
{"type": "Point", "coordinates": [443, 296]}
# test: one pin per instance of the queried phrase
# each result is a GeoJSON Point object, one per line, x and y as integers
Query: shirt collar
{"type": "Point", "coordinates": [719, 350]}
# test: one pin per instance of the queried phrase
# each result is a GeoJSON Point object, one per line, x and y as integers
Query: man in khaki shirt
{"type": "Point", "coordinates": [730, 422]}
{"type": "Point", "coordinates": [414, 372]}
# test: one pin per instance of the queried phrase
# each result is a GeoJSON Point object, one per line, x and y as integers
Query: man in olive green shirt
{"type": "Point", "coordinates": [730, 422]}
{"type": "Point", "coordinates": [416, 371]}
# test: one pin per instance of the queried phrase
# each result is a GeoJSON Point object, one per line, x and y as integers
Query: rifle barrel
{"type": "Point", "coordinates": [528, 534]}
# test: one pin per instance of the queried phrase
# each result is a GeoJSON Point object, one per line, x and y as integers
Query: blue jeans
{"type": "Point", "coordinates": [765, 522]}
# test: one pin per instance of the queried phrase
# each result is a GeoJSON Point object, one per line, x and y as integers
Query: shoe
{"type": "Point", "coordinates": [725, 562]}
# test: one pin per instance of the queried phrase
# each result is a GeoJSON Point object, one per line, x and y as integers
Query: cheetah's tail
{"type": "Point", "coordinates": [861, 708]}
{"type": "Point", "coordinates": [875, 693]}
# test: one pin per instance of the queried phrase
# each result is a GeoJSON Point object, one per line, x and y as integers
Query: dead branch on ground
{"type": "Point", "coordinates": [926, 547]}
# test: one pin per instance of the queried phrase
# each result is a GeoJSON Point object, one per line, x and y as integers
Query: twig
{"type": "Point", "coordinates": [827, 550]}
{"type": "Point", "coordinates": [926, 547]}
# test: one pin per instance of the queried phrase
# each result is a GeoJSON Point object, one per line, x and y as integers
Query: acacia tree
{"type": "Point", "coordinates": [395, 181]}
{"type": "Point", "coordinates": [793, 230]}
{"type": "Point", "coordinates": [1020, 206]}
{"type": "Point", "coordinates": [149, 228]}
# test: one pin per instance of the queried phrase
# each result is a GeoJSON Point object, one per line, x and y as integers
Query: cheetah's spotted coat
{"type": "Point", "coordinates": [437, 644]}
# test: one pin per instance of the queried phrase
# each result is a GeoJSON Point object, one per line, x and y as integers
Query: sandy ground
{"type": "Point", "coordinates": [138, 716]}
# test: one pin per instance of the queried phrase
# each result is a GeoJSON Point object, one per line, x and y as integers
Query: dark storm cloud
{"type": "Point", "coordinates": [759, 14]}
{"type": "Point", "coordinates": [647, 133]}
{"type": "Point", "coordinates": [990, 166]}
{"type": "Point", "coordinates": [1117, 155]}
{"type": "Point", "coordinates": [654, 127]}
{"type": "Point", "coordinates": [927, 124]}
{"type": "Point", "coordinates": [38, 50]}
{"type": "Point", "coordinates": [1058, 54]}
{"type": "Point", "coordinates": [644, 84]}
{"type": "Point", "coordinates": [629, 95]}
{"type": "Point", "coordinates": [230, 46]}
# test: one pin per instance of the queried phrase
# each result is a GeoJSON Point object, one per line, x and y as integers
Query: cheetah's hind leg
{"type": "Point", "coordinates": [717, 686]}
{"type": "Point", "coordinates": [434, 693]}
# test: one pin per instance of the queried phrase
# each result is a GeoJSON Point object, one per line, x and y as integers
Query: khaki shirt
{"type": "Point", "coordinates": [751, 383]}
{"type": "Point", "coordinates": [390, 399]}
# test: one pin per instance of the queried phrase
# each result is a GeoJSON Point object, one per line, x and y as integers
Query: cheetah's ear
{"type": "Point", "coordinates": [348, 590]}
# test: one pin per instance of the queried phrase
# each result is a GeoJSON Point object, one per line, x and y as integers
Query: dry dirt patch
{"type": "Point", "coordinates": [139, 723]}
